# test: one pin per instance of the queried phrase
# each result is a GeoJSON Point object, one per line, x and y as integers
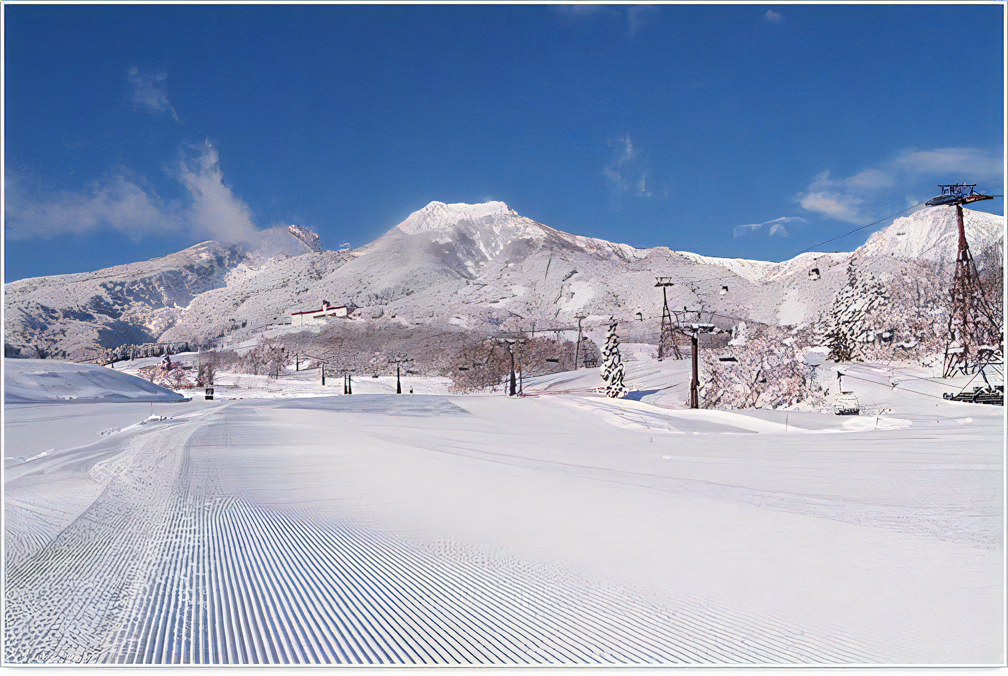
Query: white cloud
{"type": "Point", "coordinates": [125, 206]}
{"type": "Point", "coordinates": [627, 172]}
{"type": "Point", "coordinates": [637, 17]}
{"type": "Point", "coordinates": [149, 91]}
{"type": "Point", "coordinates": [868, 194]}
{"type": "Point", "coordinates": [974, 163]}
{"type": "Point", "coordinates": [115, 202]}
{"type": "Point", "coordinates": [642, 190]}
{"type": "Point", "coordinates": [842, 208]}
{"type": "Point", "coordinates": [871, 178]}
{"type": "Point", "coordinates": [215, 212]}
{"type": "Point", "coordinates": [772, 17]}
{"type": "Point", "coordinates": [776, 226]}
{"type": "Point", "coordinates": [634, 17]}
{"type": "Point", "coordinates": [577, 10]}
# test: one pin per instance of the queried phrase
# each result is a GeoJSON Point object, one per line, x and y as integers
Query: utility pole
{"type": "Point", "coordinates": [694, 389]}
{"type": "Point", "coordinates": [972, 320]}
{"type": "Point", "coordinates": [510, 342]}
{"type": "Point", "coordinates": [694, 329]}
{"type": "Point", "coordinates": [511, 393]}
{"type": "Point", "coordinates": [398, 385]}
{"type": "Point", "coordinates": [577, 346]}
{"type": "Point", "coordinates": [322, 367]}
{"type": "Point", "coordinates": [297, 363]}
{"type": "Point", "coordinates": [666, 339]}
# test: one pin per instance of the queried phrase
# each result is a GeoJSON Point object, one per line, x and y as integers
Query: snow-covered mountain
{"type": "Point", "coordinates": [134, 303]}
{"type": "Point", "coordinates": [479, 267]}
{"type": "Point", "coordinates": [933, 234]}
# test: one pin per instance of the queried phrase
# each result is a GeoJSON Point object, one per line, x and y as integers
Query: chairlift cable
{"type": "Point", "coordinates": [859, 229]}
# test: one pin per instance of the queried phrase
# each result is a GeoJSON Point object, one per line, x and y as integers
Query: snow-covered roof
{"type": "Point", "coordinates": [325, 308]}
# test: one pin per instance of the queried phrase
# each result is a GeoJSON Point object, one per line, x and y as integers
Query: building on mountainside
{"type": "Point", "coordinates": [304, 317]}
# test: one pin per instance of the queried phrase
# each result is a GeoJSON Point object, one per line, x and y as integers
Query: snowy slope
{"type": "Point", "coordinates": [70, 315]}
{"type": "Point", "coordinates": [46, 381]}
{"type": "Point", "coordinates": [436, 530]}
{"type": "Point", "coordinates": [933, 234]}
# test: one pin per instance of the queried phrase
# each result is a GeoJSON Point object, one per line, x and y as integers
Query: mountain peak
{"type": "Point", "coordinates": [441, 216]}
{"type": "Point", "coordinates": [932, 233]}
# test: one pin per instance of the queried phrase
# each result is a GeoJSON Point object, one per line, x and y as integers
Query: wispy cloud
{"type": "Point", "coordinates": [772, 17]}
{"type": "Point", "coordinates": [634, 17]}
{"type": "Point", "coordinates": [124, 205]}
{"type": "Point", "coordinates": [215, 213]}
{"type": "Point", "coordinates": [150, 91]}
{"type": "Point", "coordinates": [577, 10]}
{"type": "Point", "coordinates": [115, 202]}
{"type": "Point", "coordinates": [637, 17]}
{"type": "Point", "coordinates": [868, 193]}
{"type": "Point", "coordinates": [981, 165]}
{"type": "Point", "coordinates": [627, 172]}
{"type": "Point", "coordinates": [776, 226]}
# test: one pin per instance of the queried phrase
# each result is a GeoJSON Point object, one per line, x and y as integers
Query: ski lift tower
{"type": "Point", "coordinates": [973, 324]}
{"type": "Point", "coordinates": [693, 329]}
{"type": "Point", "coordinates": [694, 389]}
{"type": "Point", "coordinates": [666, 341]}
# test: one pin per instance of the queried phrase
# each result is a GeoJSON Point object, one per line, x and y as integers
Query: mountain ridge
{"type": "Point", "coordinates": [482, 267]}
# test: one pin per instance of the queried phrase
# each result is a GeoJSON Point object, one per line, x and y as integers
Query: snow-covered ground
{"type": "Point", "coordinates": [560, 527]}
{"type": "Point", "coordinates": [43, 380]}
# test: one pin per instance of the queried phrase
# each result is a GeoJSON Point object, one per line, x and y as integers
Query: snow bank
{"type": "Point", "coordinates": [37, 380]}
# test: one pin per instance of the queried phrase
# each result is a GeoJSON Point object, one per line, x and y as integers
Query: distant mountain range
{"type": "Point", "coordinates": [479, 267]}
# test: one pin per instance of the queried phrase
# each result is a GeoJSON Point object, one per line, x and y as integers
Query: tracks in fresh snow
{"type": "Point", "coordinates": [253, 586]}
{"type": "Point", "coordinates": [169, 567]}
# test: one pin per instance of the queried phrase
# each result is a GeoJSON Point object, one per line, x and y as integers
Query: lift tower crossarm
{"type": "Point", "coordinates": [958, 194]}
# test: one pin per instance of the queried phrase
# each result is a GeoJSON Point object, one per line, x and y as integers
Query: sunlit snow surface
{"type": "Point", "coordinates": [40, 380]}
{"type": "Point", "coordinates": [560, 528]}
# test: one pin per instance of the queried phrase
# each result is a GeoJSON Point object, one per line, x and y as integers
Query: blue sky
{"type": "Point", "coordinates": [751, 131]}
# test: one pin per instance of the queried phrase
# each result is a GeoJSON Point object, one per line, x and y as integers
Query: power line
{"type": "Point", "coordinates": [859, 229]}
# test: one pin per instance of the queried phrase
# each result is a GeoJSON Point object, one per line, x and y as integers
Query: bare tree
{"type": "Point", "coordinates": [206, 369]}
{"type": "Point", "coordinates": [768, 371]}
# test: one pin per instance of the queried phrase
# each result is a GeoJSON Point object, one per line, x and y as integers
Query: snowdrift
{"type": "Point", "coordinates": [44, 381]}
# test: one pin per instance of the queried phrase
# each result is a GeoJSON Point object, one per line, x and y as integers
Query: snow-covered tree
{"type": "Point", "coordinates": [612, 364]}
{"type": "Point", "coordinates": [852, 318]}
{"type": "Point", "coordinates": [173, 375]}
{"type": "Point", "coordinates": [206, 369]}
{"type": "Point", "coordinates": [768, 371]}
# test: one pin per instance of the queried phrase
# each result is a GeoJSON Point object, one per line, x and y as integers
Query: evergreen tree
{"type": "Point", "coordinates": [612, 365]}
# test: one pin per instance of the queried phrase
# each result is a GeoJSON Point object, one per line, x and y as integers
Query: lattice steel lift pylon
{"type": "Point", "coordinates": [666, 341]}
{"type": "Point", "coordinates": [974, 332]}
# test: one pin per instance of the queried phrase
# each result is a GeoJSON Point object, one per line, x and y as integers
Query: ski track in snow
{"type": "Point", "coordinates": [165, 568]}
